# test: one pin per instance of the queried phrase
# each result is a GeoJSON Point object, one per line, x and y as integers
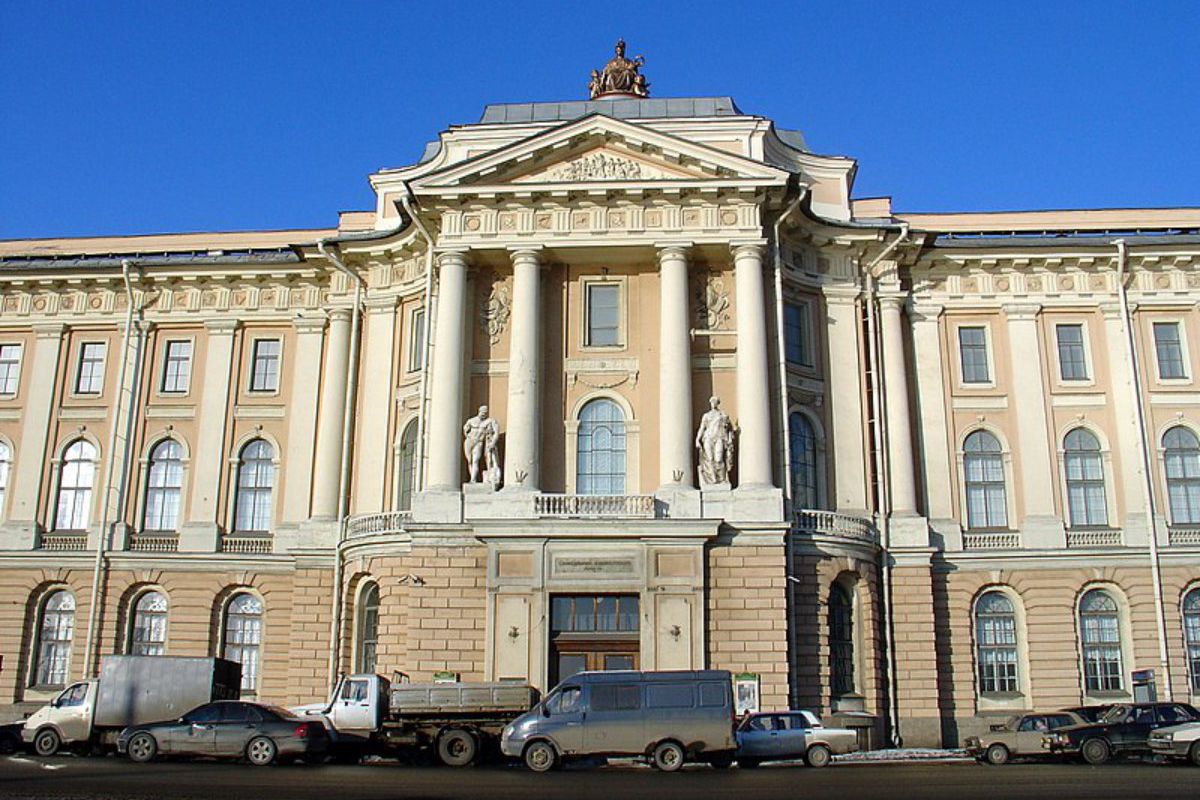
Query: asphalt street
{"type": "Point", "coordinates": [80, 778]}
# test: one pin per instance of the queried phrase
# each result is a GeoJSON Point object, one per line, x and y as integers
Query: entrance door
{"type": "Point", "coordinates": [594, 633]}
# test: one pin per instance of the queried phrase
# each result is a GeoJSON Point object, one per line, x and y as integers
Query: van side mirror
{"type": "Point", "coordinates": [545, 711]}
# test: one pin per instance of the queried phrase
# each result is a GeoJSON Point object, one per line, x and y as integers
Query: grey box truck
{"type": "Point", "coordinates": [667, 717]}
{"type": "Point", "coordinates": [131, 690]}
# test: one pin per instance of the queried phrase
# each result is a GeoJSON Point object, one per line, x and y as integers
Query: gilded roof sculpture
{"type": "Point", "coordinates": [619, 76]}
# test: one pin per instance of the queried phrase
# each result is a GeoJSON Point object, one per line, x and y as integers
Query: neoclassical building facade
{"type": "Point", "coordinates": [960, 452]}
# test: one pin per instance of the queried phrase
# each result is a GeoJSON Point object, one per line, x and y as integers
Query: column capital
{"type": "Point", "coordinates": [381, 304]}
{"type": "Point", "coordinates": [1024, 312]}
{"type": "Point", "coordinates": [1113, 310]}
{"type": "Point", "coordinates": [748, 248]}
{"type": "Point", "coordinates": [671, 249]}
{"type": "Point", "coordinates": [309, 325]}
{"type": "Point", "coordinates": [222, 327]}
{"type": "Point", "coordinates": [452, 256]}
{"type": "Point", "coordinates": [337, 315]}
{"type": "Point", "coordinates": [924, 313]}
{"type": "Point", "coordinates": [841, 293]}
{"type": "Point", "coordinates": [49, 330]}
{"type": "Point", "coordinates": [527, 254]}
{"type": "Point", "coordinates": [891, 302]}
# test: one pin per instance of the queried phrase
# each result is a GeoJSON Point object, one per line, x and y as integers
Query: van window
{"type": "Point", "coordinates": [713, 695]}
{"type": "Point", "coordinates": [73, 696]}
{"type": "Point", "coordinates": [670, 695]}
{"type": "Point", "coordinates": [564, 701]}
{"type": "Point", "coordinates": [616, 697]}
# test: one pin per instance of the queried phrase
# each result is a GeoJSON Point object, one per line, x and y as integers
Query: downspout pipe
{"type": "Point", "coordinates": [1135, 387]}
{"type": "Point", "coordinates": [883, 478]}
{"type": "Point", "coordinates": [785, 456]}
{"type": "Point", "coordinates": [347, 436]}
{"type": "Point", "coordinates": [426, 336]}
{"type": "Point", "coordinates": [92, 646]}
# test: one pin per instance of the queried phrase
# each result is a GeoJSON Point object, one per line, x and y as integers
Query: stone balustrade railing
{"type": "Point", "coordinates": [142, 543]}
{"type": "Point", "coordinates": [62, 541]}
{"type": "Point", "coordinates": [991, 540]}
{"type": "Point", "coordinates": [381, 524]}
{"type": "Point", "coordinates": [612, 506]}
{"type": "Point", "coordinates": [246, 545]}
{"type": "Point", "coordinates": [831, 523]}
{"type": "Point", "coordinates": [1184, 535]}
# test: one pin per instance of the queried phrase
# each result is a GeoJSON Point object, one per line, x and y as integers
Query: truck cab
{"type": "Point", "coordinates": [65, 719]}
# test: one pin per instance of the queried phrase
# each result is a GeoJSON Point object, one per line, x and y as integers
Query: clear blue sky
{"type": "Point", "coordinates": [122, 117]}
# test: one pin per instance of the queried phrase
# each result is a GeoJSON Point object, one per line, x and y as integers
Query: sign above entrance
{"type": "Point", "coordinates": [577, 565]}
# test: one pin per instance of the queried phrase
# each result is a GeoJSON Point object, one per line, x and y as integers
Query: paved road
{"type": "Point", "coordinates": [80, 778]}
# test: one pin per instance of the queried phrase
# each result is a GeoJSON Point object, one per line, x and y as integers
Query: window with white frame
{"type": "Point", "coordinates": [797, 333]}
{"type": "Point", "coordinates": [177, 366]}
{"type": "Point", "coordinates": [5, 467]}
{"type": "Point", "coordinates": [600, 449]}
{"type": "Point", "coordinates": [243, 636]}
{"type": "Point", "coordinates": [77, 476]}
{"type": "Point", "coordinates": [983, 467]}
{"type": "Point", "coordinates": [996, 644]}
{"type": "Point", "coordinates": [89, 375]}
{"type": "Point", "coordinates": [973, 354]}
{"type": "Point", "coordinates": [804, 462]}
{"type": "Point", "coordinates": [10, 368]}
{"type": "Point", "coordinates": [148, 631]}
{"type": "Point", "coordinates": [1100, 641]}
{"type": "Point", "coordinates": [1072, 357]}
{"type": "Point", "coordinates": [368, 628]}
{"type": "Point", "coordinates": [1086, 504]}
{"type": "Point", "coordinates": [264, 368]}
{"type": "Point", "coordinates": [256, 479]}
{"type": "Point", "coordinates": [841, 641]}
{"type": "Point", "coordinates": [408, 466]}
{"type": "Point", "coordinates": [1191, 636]}
{"type": "Point", "coordinates": [56, 629]}
{"type": "Point", "coordinates": [416, 340]}
{"type": "Point", "coordinates": [1168, 348]}
{"type": "Point", "coordinates": [1181, 459]}
{"type": "Point", "coordinates": [603, 314]}
{"type": "Point", "coordinates": [164, 483]}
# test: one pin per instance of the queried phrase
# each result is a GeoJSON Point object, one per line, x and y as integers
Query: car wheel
{"type": "Point", "coordinates": [996, 755]}
{"type": "Point", "coordinates": [47, 742]}
{"type": "Point", "coordinates": [668, 756]}
{"type": "Point", "coordinates": [541, 756]}
{"type": "Point", "coordinates": [142, 748]}
{"type": "Point", "coordinates": [721, 761]}
{"type": "Point", "coordinates": [748, 763]}
{"type": "Point", "coordinates": [818, 756]}
{"type": "Point", "coordinates": [457, 747]}
{"type": "Point", "coordinates": [261, 751]}
{"type": "Point", "coordinates": [1096, 751]}
{"type": "Point", "coordinates": [1194, 754]}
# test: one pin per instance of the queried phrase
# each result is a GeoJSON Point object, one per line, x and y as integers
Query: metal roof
{"type": "Point", "coordinates": [622, 108]}
{"type": "Point", "coordinates": [280, 255]}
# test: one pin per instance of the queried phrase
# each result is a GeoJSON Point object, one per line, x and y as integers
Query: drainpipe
{"type": "Point", "coordinates": [335, 625]}
{"type": "Point", "coordinates": [785, 459]}
{"type": "Point", "coordinates": [426, 340]}
{"type": "Point", "coordinates": [882, 477]}
{"type": "Point", "coordinates": [92, 646]}
{"type": "Point", "coordinates": [1135, 387]}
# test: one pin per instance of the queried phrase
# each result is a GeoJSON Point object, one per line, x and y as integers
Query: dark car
{"type": "Point", "coordinates": [1090, 713]}
{"type": "Point", "coordinates": [10, 737]}
{"type": "Point", "coordinates": [258, 732]}
{"type": "Point", "coordinates": [1123, 730]}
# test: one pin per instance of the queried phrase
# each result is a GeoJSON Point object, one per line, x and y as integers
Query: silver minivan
{"type": "Point", "coordinates": [669, 717]}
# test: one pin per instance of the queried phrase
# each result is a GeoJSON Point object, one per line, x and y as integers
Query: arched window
{"type": "Point", "coordinates": [56, 628]}
{"type": "Point", "coordinates": [408, 466]}
{"type": "Point", "coordinates": [256, 476]}
{"type": "Point", "coordinates": [804, 462]}
{"type": "Point", "coordinates": [148, 631]}
{"type": "Point", "coordinates": [5, 464]}
{"type": "Point", "coordinates": [1191, 636]}
{"type": "Point", "coordinates": [75, 487]}
{"type": "Point", "coordinates": [600, 454]}
{"type": "Point", "coordinates": [996, 644]}
{"type": "Point", "coordinates": [164, 482]}
{"type": "Point", "coordinates": [841, 641]}
{"type": "Point", "coordinates": [243, 636]}
{"type": "Point", "coordinates": [368, 628]}
{"type": "Point", "coordinates": [1085, 479]}
{"type": "Point", "coordinates": [1100, 640]}
{"type": "Point", "coordinates": [1183, 475]}
{"type": "Point", "coordinates": [987, 506]}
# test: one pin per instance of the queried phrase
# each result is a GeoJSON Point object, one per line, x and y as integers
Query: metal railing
{"type": "Point", "coordinates": [246, 545]}
{"type": "Point", "coordinates": [991, 540]}
{"type": "Point", "coordinates": [380, 524]}
{"type": "Point", "coordinates": [143, 543]}
{"type": "Point", "coordinates": [1183, 535]}
{"type": "Point", "coordinates": [62, 541]}
{"type": "Point", "coordinates": [1102, 537]}
{"type": "Point", "coordinates": [614, 506]}
{"type": "Point", "coordinates": [831, 523]}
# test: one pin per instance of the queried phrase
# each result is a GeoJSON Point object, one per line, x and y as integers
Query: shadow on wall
{"type": "Point", "coordinates": [944, 647]}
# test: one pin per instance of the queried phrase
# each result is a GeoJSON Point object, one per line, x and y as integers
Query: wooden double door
{"type": "Point", "coordinates": [593, 633]}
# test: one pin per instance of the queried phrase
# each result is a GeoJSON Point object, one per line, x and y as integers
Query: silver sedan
{"type": "Point", "coordinates": [781, 735]}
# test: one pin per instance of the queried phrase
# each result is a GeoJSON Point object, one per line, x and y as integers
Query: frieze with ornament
{"type": "Point", "coordinates": [628, 218]}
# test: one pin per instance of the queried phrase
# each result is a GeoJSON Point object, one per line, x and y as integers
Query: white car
{"type": "Point", "coordinates": [1177, 742]}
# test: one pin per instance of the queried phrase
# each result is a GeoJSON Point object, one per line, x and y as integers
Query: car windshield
{"type": "Point", "coordinates": [1117, 713]}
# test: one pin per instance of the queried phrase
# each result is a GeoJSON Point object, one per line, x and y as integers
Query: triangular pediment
{"type": "Point", "coordinates": [598, 151]}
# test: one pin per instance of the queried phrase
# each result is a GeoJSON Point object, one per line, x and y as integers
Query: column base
{"type": "Point", "coordinates": [481, 503]}
{"type": "Point", "coordinates": [945, 534]}
{"type": "Point", "coordinates": [716, 503]}
{"type": "Point", "coordinates": [908, 530]}
{"type": "Point", "coordinates": [761, 503]}
{"type": "Point", "coordinates": [199, 538]}
{"type": "Point", "coordinates": [438, 505]}
{"type": "Point", "coordinates": [681, 501]}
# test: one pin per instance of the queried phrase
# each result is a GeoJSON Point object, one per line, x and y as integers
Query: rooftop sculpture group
{"type": "Point", "coordinates": [619, 76]}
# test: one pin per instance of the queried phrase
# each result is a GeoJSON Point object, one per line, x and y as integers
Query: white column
{"type": "Point", "coordinates": [674, 369]}
{"type": "Point", "coordinates": [302, 419]}
{"type": "Point", "coordinates": [522, 451]}
{"type": "Point", "coordinates": [753, 376]}
{"type": "Point", "coordinates": [899, 417]}
{"type": "Point", "coordinates": [1128, 442]}
{"type": "Point", "coordinates": [334, 376]}
{"type": "Point", "coordinates": [375, 407]}
{"type": "Point", "coordinates": [1041, 526]}
{"type": "Point", "coordinates": [447, 392]}
{"type": "Point", "coordinates": [931, 411]}
{"type": "Point", "coordinates": [846, 399]}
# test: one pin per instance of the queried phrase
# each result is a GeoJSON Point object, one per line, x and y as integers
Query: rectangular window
{"type": "Point", "coordinates": [416, 341]}
{"type": "Point", "coordinates": [1169, 347]}
{"type": "Point", "coordinates": [89, 378]}
{"type": "Point", "coordinates": [972, 348]}
{"type": "Point", "coordinates": [264, 373]}
{"type": "Point", "coordinates": [1072, 360]}
{"type": "Point", "coordinates": [10, 368]}
{"type": "Point", "coordinates": [797, 334]}
{"type": "Point", "coordinates": [603, 315]}
{"type": "Point", "coordinates": [177, 366]}
{"type": "Point", "coordinates": [616, 697]}
{"type": "Point", "coordinates": [670, 695]}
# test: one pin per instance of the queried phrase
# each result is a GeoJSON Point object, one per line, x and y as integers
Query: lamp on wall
{"type": "Point", "coordinates": [675, 632]}
{"type": "Point", "coordinates": [410, 578]}
{"type": "Point", "coordinates": [514, 633]}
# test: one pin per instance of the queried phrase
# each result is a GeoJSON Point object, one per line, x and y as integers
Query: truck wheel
{"type": "Point", "coordinates": [457, 747]}
{"type": "Point", "coordinates": [818, 756]}
{"type": "Point", "coordinates": [1096, 751]}
{"type": "Point", "coordinates": [261, 751]}
{"type": "Point", "coordinates": [721, 761]}
{"type": "Point", "coordinates": [1194, 754]}
{"type": "Point", "coordinates": [142, 748]}
{"type": "Point", "coordinates": [668, 756]}
{"type": "Point", "coordinates": [47, 742]}
{"type": "Point", "coordinates": [996, 755]}
{"type": "Point", "coordinates": [541, 756]}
